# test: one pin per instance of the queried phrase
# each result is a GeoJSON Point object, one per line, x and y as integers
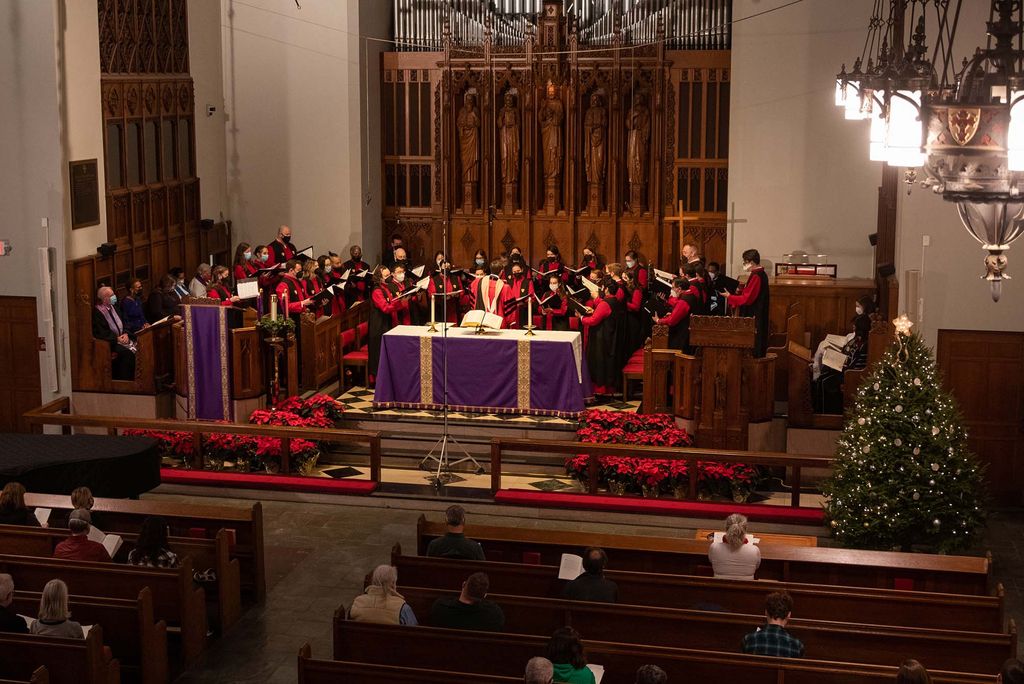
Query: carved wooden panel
{"type": "Point", "coordinates": [143, 36]}
{"type": "Point", "coordinates": [827, 305]}
{"type": "Point", "coordinates": [246, 364]}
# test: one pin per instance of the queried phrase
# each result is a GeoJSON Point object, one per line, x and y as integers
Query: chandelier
{"type": "Point", "coordinates": [962, 126]}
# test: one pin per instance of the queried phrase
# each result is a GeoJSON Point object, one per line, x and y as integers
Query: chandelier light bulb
{"type": "Point", "coordinates": [879, 131]}
{"type": "Point", "coordinates": [1015, 133]}
{"type": "Point", "coordinates": [904, 134]}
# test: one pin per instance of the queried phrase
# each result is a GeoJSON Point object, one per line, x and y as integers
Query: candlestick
{"type": "Point", "coordinates": [529, 317]}
{"type": "Point", "coordinates": [273, 307]}
{"type": "Point", "coordinates": [433, 327]}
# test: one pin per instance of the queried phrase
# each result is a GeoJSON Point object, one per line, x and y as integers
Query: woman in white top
{"type": "Point", "coordinates": [734, 557]}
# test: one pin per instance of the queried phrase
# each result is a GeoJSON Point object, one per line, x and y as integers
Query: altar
{"type": "Point", "coordinates": [502, 371]}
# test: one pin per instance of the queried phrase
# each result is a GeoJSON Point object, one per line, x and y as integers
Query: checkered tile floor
{"type": "Point", "coordinates": [359, 400]}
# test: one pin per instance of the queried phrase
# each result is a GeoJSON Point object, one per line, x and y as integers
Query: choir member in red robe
{"type": "Point", "coordinates": [281, 249]}
{"type": "Point", "coordinates": [489, 295]}
{"type": "Point", "coordinates": [636, 320]}
{"type": "Point", "coordinates": [605, 340]}
{"type": "Point", "coordinates": [243, 265]}
{"type": "Point", "coordinates": [520, 285]}
{"type": "Point", "coordinates": [291, 294]}
{"type": "Point", "coordinates": [332, 278]}
{"type": "Point", "coordinates": [554, 305]}
{"type": "Point", "coordinates": [387, 311]}
{"type": "Point", "coordinates": [752, 301]}
{"type": "Point", "coordinates": [638, 270]}
{"type": "Point", "coordinates": [682, 303]}
{"type": "Point", "coordinates": [552, 262]}
{"type": "Point", "coordinates": [480, 259]}
{"type": "Point", "coordinates": [218, 288]}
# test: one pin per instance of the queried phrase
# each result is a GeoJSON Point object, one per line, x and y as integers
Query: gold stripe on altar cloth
{"type": "Point", "coordinates": [190, 360]}
{"type": "Point", "coordinates": [523, 386]}
{"type": "Point", "coordinates": [225, 379]}
{"type": "Point", "coordinates": [426, 370]}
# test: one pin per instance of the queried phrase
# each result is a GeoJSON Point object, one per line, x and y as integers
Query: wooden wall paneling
{"type": "Point", "coordinates": [141, 267]}
{"type": "Point", "coordinates": [247, 364]}
{"type": "Point", "coordinates": [599, 234]}
{"type": "Point", "coordinates": [828, 305]}
{"type": "Point", "coordinates": [175, 252]}
{"type": "Point", "coordinates": [508, 233]}
{"type": "Point", "coordinates": [548, 231]}
{"type": "Point", "coordinates": [158, 263]}
{"type": "Point", "coordinates": [985, 372]}
{"type": "Point", "coordinates": [158, 198]}
{"type": "Point", "coordinates": [193, 255]}
{"type": "Point", "coordinates": [180, 360]}
{"type": "Point", "coordinates": [642, 236]}
{"type": "Point", "coordinates": [122, 269]}
{"type": "Point", "coordinates": [19, 362]}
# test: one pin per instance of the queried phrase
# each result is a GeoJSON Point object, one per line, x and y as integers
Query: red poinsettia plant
{"type": "Point", "coordinates": [302, 453]}
{"type": "Point", "coordinates": [180, 444]}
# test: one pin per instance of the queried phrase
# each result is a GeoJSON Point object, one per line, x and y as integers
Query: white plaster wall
{"type": "Point", "coordinates": [294, 128]}
{"type": "Point", "coordinates": [206, 67]}
{"type": "Point", "coordinates": [375, 21]}
{"type": "Point", "coordinates": [798, 172]}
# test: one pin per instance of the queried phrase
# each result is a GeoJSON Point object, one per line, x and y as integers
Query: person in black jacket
{"type": "Point", "coordinates": [108, 325]}
{"type": "Point", "coordinates": [9, 620]}
{"type": "Point", "coordinates": [717, 281]}
{"type": "Point", "coordinates": [454, 544]}
{"type": "Point", "coordinates": [592, 585]}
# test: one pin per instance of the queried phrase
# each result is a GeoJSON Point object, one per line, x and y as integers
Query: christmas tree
{"type": "Point", "coordinates": [903, 477]}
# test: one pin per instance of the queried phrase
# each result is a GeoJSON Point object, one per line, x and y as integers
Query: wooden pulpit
{"type": "Point", "coordinates": [734, 388]}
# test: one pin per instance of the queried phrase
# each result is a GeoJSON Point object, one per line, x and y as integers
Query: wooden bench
{"type": "Point", "coordinates": [67, 661]}
{"type": "Point", "coordinates": [312, 671]}
{"type": "Point", "coordinates": [845, 567]}
{"type": "Point", "coordinates": [185, 520]}
{"type": "Point", "coordinates": [174, 598]}
{"type": "Point", "coordinates": [205, 553]}
{"type": "Point", "coordinates": [39, 676]}
{"type": "Point", "coordinates": [702, 629]}
{"type": "Point", "coordinates": [766, 538]}
{"type": "Point", "coordinates": [506, 654]}
{"type": "Point", "coordinates": [812, 601]}
{"type": "Point", "coordinates": [136, 639]}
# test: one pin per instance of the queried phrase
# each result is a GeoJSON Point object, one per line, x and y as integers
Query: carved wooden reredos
{"type": "Point", "coordinates": [571, 144]}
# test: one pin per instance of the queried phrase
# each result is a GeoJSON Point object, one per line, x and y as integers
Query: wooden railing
{"type": "Point", "coordinates": [58, 412]}
{"type": "Point", "coordinates": [692, 456]}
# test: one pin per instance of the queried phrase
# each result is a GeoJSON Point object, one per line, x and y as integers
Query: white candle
{"type": "Point", "coordinates": [433, 318]}
{"type": "Point", "coordinates": [273, 307]}
{"type": "Point", "coordinates": [529, 312]}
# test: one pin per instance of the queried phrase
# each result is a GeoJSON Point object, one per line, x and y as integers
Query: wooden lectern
{"type": "Point", "coordinates": [735, 388]}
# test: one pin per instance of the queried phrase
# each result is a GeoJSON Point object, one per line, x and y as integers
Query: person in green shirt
{"type": "Point", "coordinates": [565, 651]}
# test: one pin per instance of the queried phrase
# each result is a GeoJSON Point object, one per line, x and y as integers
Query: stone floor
{"type": "Point", "coordinates": [318, 553]}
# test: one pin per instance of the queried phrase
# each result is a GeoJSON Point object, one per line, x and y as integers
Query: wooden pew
{"type": "Point", "coordinates": [136, 639]}
{"type": "Point", "coordinates": [124, 515]}
{"type": "Point", "coordinates": [846, 567]}
{"type": "Point", "coordinates": [174, 598]}
{"type": "Point", "coordinates": [506, 654]}
{"type": "Point", "coordinates": [319, 341]}
{"type": "Point", "coordinates": [67, 661]}
{"type": "Point", "coordinates": [812, 601]}
{"type": "Point", "coordinates": [312, 671]}
{"type": "Point", "coordinates": [205, 553]}
{"type": "Point", "coordinates": [701, 629]}
{"type": "Point", "coordinates": [40, 676]}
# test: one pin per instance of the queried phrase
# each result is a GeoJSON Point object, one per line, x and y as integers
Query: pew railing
{"type": "Point", "coordinates": [58, 412]}
{"type": "Point", "coordinates": [692, 456]}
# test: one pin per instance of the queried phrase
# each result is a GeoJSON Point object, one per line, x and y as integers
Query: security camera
{"type": "Point", "coordinates": [210, 110]}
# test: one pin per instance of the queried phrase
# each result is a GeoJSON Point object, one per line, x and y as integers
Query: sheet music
{"type": "Point", "coordinates": [344, 276]}
{"type": "Point", "coordinates": [308, 252]}
{"type": "Point", "coordinates": [43, 515]}
{"type": "Point", "coordinates": [571, 566]}
{"type": "Point", "coordinates": [665, 275]}
{"type": "Point", "coordinates": [594, 289]}
{"type": "Point", "coordinates": [418, 271]}
{"type": "Point", "coordinates": [248, 288]}
{"type": "Point", "coordinates": [834, 359]}
{"type": "Point", "coordinates": [719, 536]}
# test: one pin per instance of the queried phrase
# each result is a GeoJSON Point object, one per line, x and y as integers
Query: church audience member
{"type": "Point", "coordinates": [10, 621]}
{"type": "Point", "coordinates": [753, 300]}
{"type": "Point", "coordinates": [78, 546]}
{"type": "Point", "coordinates": [651, 674]}
{"type": "Point", "coordinates": [162, 301]}
{"type": "Point", "coordinates": [243, 266]}
{"type": "Point", "coordinates": [13, 510]}
{"type": "Point", "coordinates": [390, 258]}
{"type": "Point", "coordinates": [565, 651]}
{"type": "Point", "coordinates": [290, 291]}
{"type": "Point", "coordinates": [381, 603]}
{"type": "Point", "coordinates": [178, 274]}
{"type": "Point", "coordinates": [108, 325]}
{"type": "Point", "coordinates": [592, 584]}
{"type": "Point", "coordinates": [1012, 672]}
{"type": "Point", "coordinates": [772, 639]}
{"type": "Point", "coordinates": [734, 557]}
{"type": "Point", "coordinates": [151, 548]}
{"type": "Point", "coordinates": [470, 609]}
{"type": "Point", "coordinates": [281, 249]}
{"type": "Point", "coordinates": [912, 672]}
{"type": "Point", "coordinates": [81, 497]}
{"type": "Point", "coordinates": [454, 543]}
{"type": "Point", "coordinates": [538, 671]}
{"type": "Point", "coordinates": [53, 613]}
{"type": "Point", "coordinates": [134, 317]}
{"type": "Point", "coordinates": [197, 287]}
{"type": "Point", "coordinates": [827, 381]}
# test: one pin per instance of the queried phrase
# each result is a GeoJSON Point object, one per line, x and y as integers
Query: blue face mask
{"type": "Point", "coordinates": [113, 300]}
{"type": "Point", "coordinates": [247, 255]}
{"type": "Point", "coordinates": [264, 257]}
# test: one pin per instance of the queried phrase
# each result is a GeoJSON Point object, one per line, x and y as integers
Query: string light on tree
{"type": "Point", "coordinates": [903, 477]}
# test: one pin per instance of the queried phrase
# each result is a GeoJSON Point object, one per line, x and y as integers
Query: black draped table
{"type": "Point", "coordinates": [116, 467]}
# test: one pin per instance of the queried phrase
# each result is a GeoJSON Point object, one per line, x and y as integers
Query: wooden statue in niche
{"type": "Point", "coordinates": [638, 123]}
{"type": "Point", "coordinates": [551, 115]}
{"type": "Point", "coordinates": [468, 124]}
{"type": "Point", "coordinates": [595, 127]}
{"type": "Point", "coordinates": [508, 135]}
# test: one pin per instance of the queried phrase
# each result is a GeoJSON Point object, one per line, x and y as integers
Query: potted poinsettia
{"type": "Point", "coordinates": [220, 448]}
{"type": "Point", "coordinates": [303, 455]}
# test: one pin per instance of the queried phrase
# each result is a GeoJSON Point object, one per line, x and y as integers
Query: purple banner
{"type": "Point", "coordinates": [208, 354]}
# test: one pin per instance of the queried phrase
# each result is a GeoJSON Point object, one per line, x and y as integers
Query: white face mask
{"type": "Point", "coordinates": [630, 263]}
{"type": "Point", "coordinates": [479, 262]}
{"type": "Point", "coordinates": [747, 267]}
{"type": "Point", "coordinates": [859, 310]}
{"type": "Point", "coordinates": [399, 277]}
{"type": "Point", "coordinates": [328, 269]}
{"type": "Point", "coordinates": [553, 287]}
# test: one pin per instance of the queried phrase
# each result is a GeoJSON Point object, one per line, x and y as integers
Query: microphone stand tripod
{"type": "Point", "coordinates": [443, 472]}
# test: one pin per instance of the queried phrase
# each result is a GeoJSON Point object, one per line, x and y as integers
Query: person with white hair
{"type": "Point", "coordinates": [539, 671]}
{"type": "Point", "coordinates": [381, 603]}
{"type": "Point", "coordinates": [10, 621]}
{"type": "Point", "coordinates": [735, 557]}
{"type": "Point", "coordinates": [108, 325]}
{"type": "Point", "coordinates": [197, 288]}
{"type": "Point", "coordinates": [53, 613]}
{"type": "Point", "coordinates": [78, 546]}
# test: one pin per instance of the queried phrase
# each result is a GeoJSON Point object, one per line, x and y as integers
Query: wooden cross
{"type": "Point", "coordinates": [680, 218]}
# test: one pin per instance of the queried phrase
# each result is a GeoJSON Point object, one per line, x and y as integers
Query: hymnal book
{"type": "Point", "coordinates": [717, 537]}
{"type": "Point", "coordinates": [598, 671]}
{"type": "Point", "coordinates": [111, 542]}
{"type": "Point", "coordinates": [583, 271]}
{"type": "Point", "coordinates": [418, 271]}
{"type": "Point", "coordinates": [511, 304]}
{"type": "Point", "coordinates": [270, 269]}
{"type": "Point", "coordinates": [545, 274]}
{"type": "Point", "coordinates": [360, 274]}
{"type": "Point", "coordinates": [478, 318]}
{"type": "Point", "coordinates": [423, 283]}
{"type": "Point", "coordinates": [248, 288]}
{"type": "Point", "coordinates": [454, 293]}
{"type": "Point", "coordinates": [542, 302]}
{"type": "Point", "coordinates": [324, 294]}
{"type": "Point", "coordinates": [837, 341]}
{"type": "Point", "coordinates": [408, 293]}
{"type": "Point", "coordinates": [655, 305]}
{"type": "Point", "coordinates": [834, 359]}
{"type": "Point", "coordinates": [664, 275]}
{"type": "Point", "coordinates": [592, 287]}
{"type": "Point", "coordinates": [43, 516]}
{"type": "Point", "coordinates": [304, 254]}
{"type": "Point", "coordinates": [344, 276]}
{"type": "Point", "coordinates": [571, 566]}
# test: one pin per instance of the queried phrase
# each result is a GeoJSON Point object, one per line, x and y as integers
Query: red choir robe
{"type": "Point", "coordinates": [438, 284]}
{"type": "Point", "coordinates": [221, 293]}
{"type": "Point", "coordinates": [290, 293]}
{"type": "Point", "coordinates": [387, 311]}
{"type": "Point", "coordinates": [515, 315]}
{"type": "Point", "coordinates": [279, 253]}
{"type": "Point", "coordinates": [355, 288]}
{"type": "Point", "coordinates": [554, 310]}
{"type": "Point", "coordinates": [243, 271]}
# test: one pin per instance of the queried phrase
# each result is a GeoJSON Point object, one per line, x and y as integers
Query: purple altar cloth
{"type": "Point", "coordinates": [208, 354]}
{"type": "Point", "coordinates": [503, 372]}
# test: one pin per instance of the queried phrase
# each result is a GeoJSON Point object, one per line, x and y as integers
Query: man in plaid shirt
{"type": "Point", "coordinates": [773, 639]}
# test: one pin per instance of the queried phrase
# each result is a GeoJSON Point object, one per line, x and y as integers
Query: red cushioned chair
{"type": "Point", "coordinates": [354, 352]}
{"type": "Point", "coordinates": [633, 370]}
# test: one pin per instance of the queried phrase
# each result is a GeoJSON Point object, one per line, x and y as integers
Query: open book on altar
{"type": "Point", "coordinates": [478, 318]}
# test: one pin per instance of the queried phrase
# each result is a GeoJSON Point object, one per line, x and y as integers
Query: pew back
{"type": "Point", "coordinates": [313, 671]}
{"type": "Point", "coordinates": [68, 661]}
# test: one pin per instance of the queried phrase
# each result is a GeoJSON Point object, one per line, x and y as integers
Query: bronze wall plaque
{"type": "Point", "coordinates": [85, 193]}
